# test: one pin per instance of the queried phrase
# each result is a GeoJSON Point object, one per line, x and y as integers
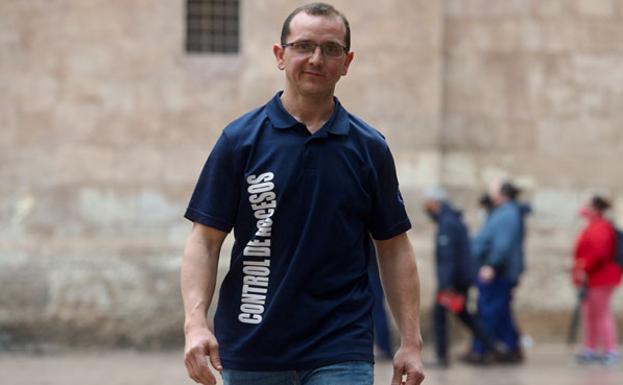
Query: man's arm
{"type": "Point", "coordinates": [198, 280]}
{"type": "Point", "coordinates": [401, 283]}
{"type": "Point", "coordinates": [481, 250]}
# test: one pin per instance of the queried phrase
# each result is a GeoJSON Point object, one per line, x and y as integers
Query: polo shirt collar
{"type": "Point", "coordinates": [338, 123]}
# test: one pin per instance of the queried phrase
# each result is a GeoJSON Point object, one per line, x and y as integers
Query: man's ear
{"type": "Point", "coordinates": [279, 51]}
{"type": "Point", "coordinates": [349, 58]}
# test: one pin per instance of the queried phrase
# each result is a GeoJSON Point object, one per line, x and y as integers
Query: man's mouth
{"type": "Point", "coordinates": [311, 73]}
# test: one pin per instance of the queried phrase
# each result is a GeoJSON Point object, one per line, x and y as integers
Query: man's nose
{"type": "Point", "coordinates": [316, 56]}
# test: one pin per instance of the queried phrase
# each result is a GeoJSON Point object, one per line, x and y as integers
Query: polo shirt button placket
{"type": "Point", "coordinates": [308, 156]}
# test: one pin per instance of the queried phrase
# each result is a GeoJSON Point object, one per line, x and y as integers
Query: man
{"type": "Point", "coordinates": [455, 272]}
{"type": "Point", "coordinates": [303, 184]}
{"type": "Point", "coordinates": [499, 250]}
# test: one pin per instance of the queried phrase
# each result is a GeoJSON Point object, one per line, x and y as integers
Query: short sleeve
{"type": "Point", "coordinates": [214, 201]}
{"type": "Point", "coordinates": [389, 216]}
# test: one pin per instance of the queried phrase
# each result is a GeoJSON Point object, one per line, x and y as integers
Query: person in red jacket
{"type": "Point", "coordinates": [596, 271]}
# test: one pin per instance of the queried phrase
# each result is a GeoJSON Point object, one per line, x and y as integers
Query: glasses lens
{"type": "Point", "coordinates": [304, 47]}
{"type": "Point", "coordinates": [309, 47]}
{"type": "Point", "coordinates": [332, 49]}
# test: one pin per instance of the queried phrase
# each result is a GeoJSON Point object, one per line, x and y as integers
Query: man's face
{"type": "Point", "coordinates": [432, 208]}
{"type": "Point", "coordinates": [313, 74]}
{"type": "Point", "coordinates": [495, 193]}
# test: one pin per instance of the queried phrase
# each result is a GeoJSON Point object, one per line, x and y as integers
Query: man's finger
{"type": "Point", "coordinates": [397, 377]}
{"type": "Point", "coordinates": [190, 367]}
{"type": "Point", "coordinates": [204, 374]}
{"type": "Point", "coordinates": [215, 358]}
{"type": "Point", "coordinates": [415, 378]}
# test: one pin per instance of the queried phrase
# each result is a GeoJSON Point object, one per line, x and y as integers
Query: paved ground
{"type": "Point", "coordinates": [547, 364]}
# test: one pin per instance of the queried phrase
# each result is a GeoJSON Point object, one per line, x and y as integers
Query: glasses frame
{"type": "Point", "coordinates": [316, 45]}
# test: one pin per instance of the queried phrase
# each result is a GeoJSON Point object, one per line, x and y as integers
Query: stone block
{"type": "Point", "coordinates": [136, 207]}
{"type": "Point", "coordinates": [75, 164]}
{"type": "Point", "coordinates": [8, 125]}
{"type": "Point", "coordinates": [557, 208]}
{"type": "Point", "coordinates": [551, 9]}
{"type": "Point", "coordinates": [596, 8]}
{"type": "Point", "coordinates": [459, 170]}
{"type": "Point", "coordinates": [106, 207]}
{"type": "Point", "coordinates": [15, 209]}
{"type": "Point", "coordinates": [600, 72]}
{"type": "Point", "coordinates": [593, 37]}
{"type": "Point", "coordinates": [561, 36]}
{"type": "Point", "coordinates": [418, 171]}
{"type": "Point", "coordinates": [484, 8]}
{"type": "Point", "coordinates": [490, 172]}
{"type": "Point", "coordinates": [184, 167]}
{"type": "Point", "coordinates": [113, 298]}
{"type": "Point", "coordinates": [24, 287]}
{"type": "Point", "coordinates": [579, 136]}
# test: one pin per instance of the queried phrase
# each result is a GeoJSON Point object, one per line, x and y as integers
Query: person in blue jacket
{"type": "Point", "coordinates": [455, 271]}
{"type": "Point", "coordinates": [499, 251]}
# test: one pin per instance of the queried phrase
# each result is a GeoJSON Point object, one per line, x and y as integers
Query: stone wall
{"type": "Point", "coordinates": [532, 91]}
{"type": "Point", "coordinates": [106, 122]}
{"type": "Point", "coordinates": [104, 127]}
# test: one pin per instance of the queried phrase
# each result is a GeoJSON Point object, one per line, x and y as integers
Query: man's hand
{"type": "Point", "coordinates": [486, 274]}
{"type": "Point", "coordinates": [408, 362]}
{"type": "Point", "coordinates": [201, 345]}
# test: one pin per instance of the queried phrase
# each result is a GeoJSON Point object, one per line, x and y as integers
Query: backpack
{"type": "Point", "coordinates": [618, 253]}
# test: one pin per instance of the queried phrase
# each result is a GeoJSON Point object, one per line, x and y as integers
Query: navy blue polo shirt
{"type": "Point", "coordinates": [302, 208]}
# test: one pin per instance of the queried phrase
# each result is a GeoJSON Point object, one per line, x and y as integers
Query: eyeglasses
{"type": "Point", "coordinates": [329, 49]}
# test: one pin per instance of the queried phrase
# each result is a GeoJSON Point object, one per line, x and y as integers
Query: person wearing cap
{"type": "Point", "coordinates": [499, 251]}
{"type": "Point", "coordinates": [310, 191]}
{"type": "Point", "coordinates": [455, 271]}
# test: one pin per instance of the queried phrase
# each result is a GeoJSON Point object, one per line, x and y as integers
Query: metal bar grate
{"type": "Point", "coordinates": [212, 26]}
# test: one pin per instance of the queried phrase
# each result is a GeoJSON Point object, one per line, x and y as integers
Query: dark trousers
{"type": "Point", "coordinates": [495, 314]}
{"type": "Point", "coordinates": [441, 328]}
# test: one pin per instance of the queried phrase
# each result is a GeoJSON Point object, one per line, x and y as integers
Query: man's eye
{"type": "Point", "coordinates": [304, 46]}
{"type": "Point", "coordinates": [332, 49]}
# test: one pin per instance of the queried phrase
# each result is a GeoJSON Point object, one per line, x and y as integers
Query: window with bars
{"type": "Point", "coordinates": [212, 26]}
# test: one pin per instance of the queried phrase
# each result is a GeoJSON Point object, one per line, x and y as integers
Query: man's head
{"type": "Point", "coordinates": [314, 50]}
{"type": "Point", "coordinates": [316, 9]}
{"type": "Point", "coordinates": [502, 192]}
{"type": "Point", "coordinates": [433, 199]}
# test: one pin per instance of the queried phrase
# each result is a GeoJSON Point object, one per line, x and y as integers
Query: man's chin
{"type": "Point", "coordinates": [316, 90]}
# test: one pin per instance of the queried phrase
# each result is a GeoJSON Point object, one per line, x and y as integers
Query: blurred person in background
{"type": "Point", "coordinates": [455, 269]}
{"type": "Point", "coordinates": [486, 204]}
{"type": "Point", "coordinates": [596, 271]}
{"type": "Point", "coordinates": [499, 251]}
{"type": "Point", "coordinates": [383, 346]}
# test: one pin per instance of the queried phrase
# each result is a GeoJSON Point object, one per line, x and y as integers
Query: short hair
{"type": "Point", "coordinates": [509, 190]}
{"type": "Point", "coordinates": [316, 9]}
{"type": "Point", "coordinates": [600, 203]}
{"type": "Point", "coordinates": [486, 202]}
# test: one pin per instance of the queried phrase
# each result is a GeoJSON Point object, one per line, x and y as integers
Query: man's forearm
{"type": "Point", "coordinates": [198, 278]}
{"type": "Point", "coordinates": [401, 283]}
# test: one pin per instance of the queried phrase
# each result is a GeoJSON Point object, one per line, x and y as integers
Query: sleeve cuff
{"type": "Point", "coordinates": [208, 220]}
{"type": "Point", "coordinates": [397, 229]}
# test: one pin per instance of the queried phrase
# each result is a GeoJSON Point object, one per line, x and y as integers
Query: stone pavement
{"type": "Point", "coordinates": [546, 364]}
